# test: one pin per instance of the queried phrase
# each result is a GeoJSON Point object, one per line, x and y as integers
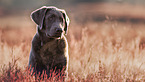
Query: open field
{"type": "Point", "coordinates": [99, 51]}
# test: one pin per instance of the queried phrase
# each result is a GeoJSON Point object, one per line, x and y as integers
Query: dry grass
{"type": "Point", "coordinates": [108, 51]}
{"type": "Point", "coordinates": [99, 51]}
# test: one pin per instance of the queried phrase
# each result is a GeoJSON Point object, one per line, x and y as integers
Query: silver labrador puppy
{"type": "Point", "coordinates": [49, 51]}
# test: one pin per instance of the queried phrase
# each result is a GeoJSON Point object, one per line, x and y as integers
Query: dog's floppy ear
{"type": "Point", "coordinates": [67, 21]}
{"type": "Point", "coordinates": [39, 15]}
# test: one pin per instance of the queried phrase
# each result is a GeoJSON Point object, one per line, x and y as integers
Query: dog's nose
{"type": "Point", "coordinates": [59, 30]}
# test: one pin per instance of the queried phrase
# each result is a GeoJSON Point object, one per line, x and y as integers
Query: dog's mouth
{"type": "Point", "coordinates": [56, 35]}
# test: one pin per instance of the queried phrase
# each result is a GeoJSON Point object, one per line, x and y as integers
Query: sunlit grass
{"type": "Point", "coordinates": [99, 51]}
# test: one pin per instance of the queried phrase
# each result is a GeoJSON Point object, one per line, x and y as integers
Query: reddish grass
{"type": "Point", "coordinates": [108, 51]}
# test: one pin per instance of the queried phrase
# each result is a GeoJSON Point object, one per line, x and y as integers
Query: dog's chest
{"type": "Point", "coordinates": [53, 51]}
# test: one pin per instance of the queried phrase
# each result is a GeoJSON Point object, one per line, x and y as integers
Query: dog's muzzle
{"type": "Point", "coordinates": [57, 33]}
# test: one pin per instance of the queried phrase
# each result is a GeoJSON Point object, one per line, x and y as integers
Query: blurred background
{"type": "Point", "coordinates": [81, 10]}
{"type": "Point", "coordinates": [96, 9]}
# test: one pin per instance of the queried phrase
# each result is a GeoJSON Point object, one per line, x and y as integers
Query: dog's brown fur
{"type": "Point", "coordinates": [49, 46]}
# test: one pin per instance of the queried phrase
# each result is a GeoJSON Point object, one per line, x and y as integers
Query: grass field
{"type": "Point", "coordinates": [99, 51]}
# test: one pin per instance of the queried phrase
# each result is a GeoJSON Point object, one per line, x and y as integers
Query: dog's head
{"type": "Point", "coordinates": [51, 21]}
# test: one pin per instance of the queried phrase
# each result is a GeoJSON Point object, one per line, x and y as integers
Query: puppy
{"type": "Point", "coordinates": [49, 51]}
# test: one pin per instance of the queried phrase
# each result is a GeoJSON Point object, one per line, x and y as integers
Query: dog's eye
{"type": "Point", "coordinates": [51, 17]}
